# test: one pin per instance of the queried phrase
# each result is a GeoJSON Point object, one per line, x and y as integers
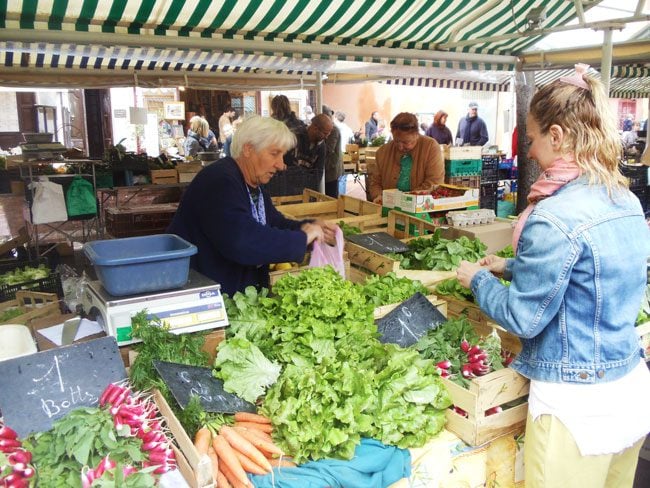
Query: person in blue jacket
{"type": "Point", "coordinates": [226, 213]}
{"type": "Point", "coordinates": [471, 128]}
{"type": "Point", "coordinates": [577, 281]}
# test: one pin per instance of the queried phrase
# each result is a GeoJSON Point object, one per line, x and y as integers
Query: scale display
{"type": "Point", "coordinates": [197, 306]}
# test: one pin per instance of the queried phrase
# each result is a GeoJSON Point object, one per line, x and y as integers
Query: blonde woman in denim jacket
{"type": "Point", "coordinates": [577, 282]}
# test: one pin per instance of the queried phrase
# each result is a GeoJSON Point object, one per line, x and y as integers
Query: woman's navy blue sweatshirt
{"type": "Point", "coordinates": [234, 250]}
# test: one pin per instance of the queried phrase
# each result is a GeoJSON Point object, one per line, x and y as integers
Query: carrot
{"type": "Point", "coordinates": [222, 481]}
{"type": "Point", "coordinates": [249, 465]}
{"type": "Point", "coordinates": [202, 440]}
{"type": "Point", "coordinates": [268, 428]}
{"type": "Point", "coordinates": [251, 417]}
{"type": "Point", "coordinates": [215, 463]}
{"type": "Point", "coordinates": [259, 442]}
{"type": "Point", "coordinates": [228, 460]}
{"type": "Point", "coordinates": [256, 432]}
{"type": "Point", "coordinates": [242, 445]}
{"type": "Point", "coordinates": [234, 481]}
{"type": "Point", "coordinates": [282, 463]}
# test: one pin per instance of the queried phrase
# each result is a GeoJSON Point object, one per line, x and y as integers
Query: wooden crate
{"type": "Point", "coordinates": [308, 195]}
{"type": "Point", "coordinates": [375, 263]}
{"type": "Point", "coordinates": [195, 468]}
{"type": "Point", "coordinates": [332, 209]}
{"type": "Point", "coordinates": [186, 177]}
{"type": "Point", "coordinates": [164, 176]}
{"type": "Point", "coordinates": [493, 389]}
{"type": "Point", "coordinates": [189, 167]}
{"type": "Point", "coordinates": [36, 304]}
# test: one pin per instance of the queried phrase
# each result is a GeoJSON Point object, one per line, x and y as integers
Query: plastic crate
{"type": "Point", "coordinates": [293, 181]}
{"type": "Point", "coordinates": [51, 284]}
{"type": "Point", "coordinates": [141, 221]}
{"type": "Point", "coordinates": [462, 167]}
{"type": "Point", "coordinates": [141, 264]}
{"type": "Point", "coordinates": [466, 181]}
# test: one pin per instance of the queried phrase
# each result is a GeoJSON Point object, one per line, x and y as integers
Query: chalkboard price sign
{"type": "Point", "coordinates": [40, 388]}
{"type": "Point", "coordinates": [381, 242]}
{"type": "Point", "coordinates": [185, 381]}
{"type": "Point", "coordinates": [408, 322]}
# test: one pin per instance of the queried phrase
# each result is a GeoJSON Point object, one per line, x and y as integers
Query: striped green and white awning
{"type": "Point", "coordinates": [263, 43]}
{"type": "Point", "coordinates": [625, 81]}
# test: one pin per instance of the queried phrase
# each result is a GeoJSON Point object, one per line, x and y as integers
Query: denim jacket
{"type": "Point", "coordinates": [577, 284]}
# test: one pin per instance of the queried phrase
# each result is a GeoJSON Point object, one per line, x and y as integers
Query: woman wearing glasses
{"type": "Point", "coordinates": [409, 162]}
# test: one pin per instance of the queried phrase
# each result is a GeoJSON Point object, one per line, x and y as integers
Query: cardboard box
{"type": "Point", "coordinates": [416, 203]}
{"type": "Point", "coordinates": [495, 235]}
{"type": "Point", "coordinates": [463, 152]}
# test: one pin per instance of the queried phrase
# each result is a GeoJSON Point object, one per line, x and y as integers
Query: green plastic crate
{"type": "Point", "coordinates": [463, 167]}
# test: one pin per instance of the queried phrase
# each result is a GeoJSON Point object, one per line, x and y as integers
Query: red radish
{"type": "Point", "coordinates": [473, 350]}
{"type": "Point", "coordinates": [493, 410]}
{"type": "Point", "coordinates": [446, 364]}
{"type": "Point", "coordinates": [20, 456]}
{"type": "Point", "coordinates": [7, 433]}
{"type": "Point", "coordinates": [464, 346]}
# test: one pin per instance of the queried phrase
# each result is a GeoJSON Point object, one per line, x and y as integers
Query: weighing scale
{"type": "Point", "coordinates": [196, 306]}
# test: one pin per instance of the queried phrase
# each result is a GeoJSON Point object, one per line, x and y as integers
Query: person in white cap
{"type": "Point", "coordinates": [471, 128]}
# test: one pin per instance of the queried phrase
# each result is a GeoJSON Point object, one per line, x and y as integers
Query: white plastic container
{"type": "Point", "coordinates": [15, 340]}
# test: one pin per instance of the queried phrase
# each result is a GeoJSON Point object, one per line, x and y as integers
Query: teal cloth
{"type": "Point", "coordinates": [404, 178]}
{"type": "Point", "coordinates": [374, 465]}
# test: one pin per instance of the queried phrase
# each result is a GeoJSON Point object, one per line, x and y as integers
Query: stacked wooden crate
{"type": "Point", "coordinates": [187, 171]}
{"type": "Point", "coordinates": [351, 158]}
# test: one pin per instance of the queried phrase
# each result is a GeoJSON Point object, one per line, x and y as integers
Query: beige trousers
{"type": "Point", "coordinates": [552, 460]}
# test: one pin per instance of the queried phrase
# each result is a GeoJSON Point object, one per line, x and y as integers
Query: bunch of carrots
{"type": "Point", "coordinates": [241, 448]}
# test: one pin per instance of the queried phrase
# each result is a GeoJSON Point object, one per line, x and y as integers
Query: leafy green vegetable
{"type": "Point", "coordinates": [349, 230]}
{"type": "Point", "coordinates": [10, 313]}
{"type": "Point", "coordinates": [452, 287]}
{"type": "Point", "coordinates": [22, 275]}
{"type": "Point", "coordinates": [160, 344]}
{"type": "Point", "coordinates": [334, 386]}
{"type": "Point", "coordinates": [244, 369]}
{"type": "Point", "coordinates": [438, 253]}
{"type": "Point", "coordinates": [506, 252]}
{"type": "Point", "coordinates": [382, 290]}
{"type": "Point", "coordinates": [644, 313]}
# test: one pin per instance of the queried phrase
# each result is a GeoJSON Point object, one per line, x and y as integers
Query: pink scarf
{"type": "Point", "coordinates": [550, 181]}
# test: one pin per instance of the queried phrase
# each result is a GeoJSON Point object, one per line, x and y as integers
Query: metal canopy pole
{"type": "Point", "coordinates": [606, 66]}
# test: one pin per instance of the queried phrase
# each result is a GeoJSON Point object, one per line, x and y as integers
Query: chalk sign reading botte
{"type": "Point", "coordinates": [185, 381]}
{"type": "Point", "coordinates": [381, 242]}
{"type": "Point", "coordinates": [38, 389]}
{"type": "Point", "coordinates": [409, 321]}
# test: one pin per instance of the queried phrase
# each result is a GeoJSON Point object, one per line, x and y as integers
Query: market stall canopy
{"type": "Point", "coordinates": [252, 44]}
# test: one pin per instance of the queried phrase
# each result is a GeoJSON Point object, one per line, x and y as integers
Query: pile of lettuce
{"type": "Point", "coordinates": [337, 383]}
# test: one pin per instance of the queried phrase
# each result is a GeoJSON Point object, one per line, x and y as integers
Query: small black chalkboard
{"type": "Point", "coordinates": [40, 388]}
{"type": "Point", "coordinates": [409, 321]}
{"type": "Point", "coordinates": [185, 381]}
{"type": "Point", "coordinates": [381, 242]}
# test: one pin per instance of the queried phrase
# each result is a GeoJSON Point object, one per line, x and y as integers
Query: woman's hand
{"type": "Point", "coordinates": [493, 263]}
{"type": "Point", "coordinates": [466, 272]}
{"type": "Point", "coordinates": [313, 231]}
{"type": "Point", "coordinates": [329, 231]}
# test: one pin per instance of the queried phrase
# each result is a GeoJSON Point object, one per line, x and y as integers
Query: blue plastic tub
{"type": "Point", "coordinates": [135, 265]}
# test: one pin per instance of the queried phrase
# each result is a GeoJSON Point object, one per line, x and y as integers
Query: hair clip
{"type": "Point", "coordinates": [577, 78]}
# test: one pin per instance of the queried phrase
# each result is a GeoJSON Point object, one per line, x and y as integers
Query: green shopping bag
{"type": "Point", "coordinates": [80, 198]}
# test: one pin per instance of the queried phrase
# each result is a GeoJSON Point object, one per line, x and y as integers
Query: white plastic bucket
{"type": "Point", "coordinates": [15, 340]}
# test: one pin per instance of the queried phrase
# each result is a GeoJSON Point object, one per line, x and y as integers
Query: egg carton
{"type": "Point", "coordinates": [467, 218]}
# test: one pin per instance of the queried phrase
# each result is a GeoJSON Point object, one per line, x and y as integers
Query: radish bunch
{"type": "Point", "coordinates": [477, 361]}
{"type": "Point", "coordinates": [15, 467]}
{"type": "Point", "coordinates": [135, 415]}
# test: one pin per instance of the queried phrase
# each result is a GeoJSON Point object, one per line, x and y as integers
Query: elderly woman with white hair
{"type": "Point", "coordinates": [227, 214]}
